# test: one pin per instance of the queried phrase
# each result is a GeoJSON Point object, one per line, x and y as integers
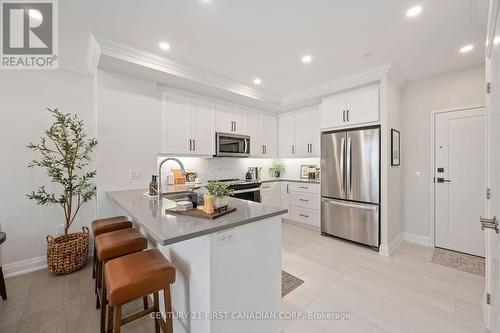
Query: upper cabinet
{"type": "Point", "coordinates": [229, 119]}
{"type": "Point", "coordinates": [263, 135]}
{"type": "Point", "coordinates": [352, 108]}
{"type": "Point", "coordinates": [188, 126]}
{"type": "Point", "coordinates": [299, 134]}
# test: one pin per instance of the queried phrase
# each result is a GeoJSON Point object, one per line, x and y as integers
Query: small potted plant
{"type": "Point", "coordinates": [277, 169]}
{"type": "Point", "coordinates": [220, 192]}
{"type": "Point", "coordinates": [65, 154]}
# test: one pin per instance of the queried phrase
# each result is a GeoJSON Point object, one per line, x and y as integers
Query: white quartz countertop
{"type": "Point", "coordinates": [168, 229]}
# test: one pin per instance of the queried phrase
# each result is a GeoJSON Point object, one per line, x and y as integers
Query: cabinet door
{"type": "Point", "coordinates": [270, 136]}
{"type": "Point", "coordinates": [286, 136]}
{"type": "Point", "coordinates": [315, 133]}
{"type": "Point", "coordinates": [302, 133]}
{"type": "Point", "coordinates": [255, 130]}
{"type": "Point", "coordinates": [176, 124]}
{"type": "Point", "coordinates": [270, 194]}
{"type": "Point", "coordinates": [224, 119]}
{"type": "Point", "coordinates": [363, 106]}
{"type": "Point", "coordinates": [203, 127]}
{"type": "Point", "coordinates": [285, 197]}
{"type": "Point", "coordinates": [332, 113]}
{"type": "Point", "coordinates": [240, 122]}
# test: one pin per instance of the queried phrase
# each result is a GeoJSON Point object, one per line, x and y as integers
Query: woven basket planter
{"type": "Point", "coordinates": [68, 253]}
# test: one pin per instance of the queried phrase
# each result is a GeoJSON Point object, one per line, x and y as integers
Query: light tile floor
{"type": "Point", "coordinates": [404, 293]}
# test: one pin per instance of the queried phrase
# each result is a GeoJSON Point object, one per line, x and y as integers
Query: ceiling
{"type": "Point", "coordinates": [242, 40]}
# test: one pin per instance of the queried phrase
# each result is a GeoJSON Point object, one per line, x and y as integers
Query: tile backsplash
{"type": "Point", "coordinates": [226, 168]}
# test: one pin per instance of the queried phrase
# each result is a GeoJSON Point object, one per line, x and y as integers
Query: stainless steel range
{"type": "Point", "coordinates": [244, 189]}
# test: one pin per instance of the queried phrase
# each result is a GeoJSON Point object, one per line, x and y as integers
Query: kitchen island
{"type": "Point", "coordinates": [228, 269]}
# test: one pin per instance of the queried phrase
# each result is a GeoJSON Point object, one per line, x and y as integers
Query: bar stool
{"type": "Point", "coordinates": [134, 276]}
{"type": "Point", "coordinates": [3, 289]}
{"type": "Point", "coordinates": [115, 244]}
{"type": "Point", "coordinates": [102, 226]}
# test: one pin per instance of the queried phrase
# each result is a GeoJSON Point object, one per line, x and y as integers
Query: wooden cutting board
{"type": "Point", "coordinates": [201, 214]}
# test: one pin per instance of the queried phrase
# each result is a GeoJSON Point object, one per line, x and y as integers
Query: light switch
{"type": "Point", "coordinates": [134, 174]}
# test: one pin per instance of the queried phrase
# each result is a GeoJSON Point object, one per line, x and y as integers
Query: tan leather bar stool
{"type": "Point", "coordinates": [102, 226]}
{"type": "Point", "coordinates": [113, 245]}
{"type": "Point", "coordinates": [3, 289]}
{"type": "Point", "coordinates": [134, 276]}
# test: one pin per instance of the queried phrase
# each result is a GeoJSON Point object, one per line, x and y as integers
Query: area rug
{"type": "Point", "coordinates": [289, 283]}
{"type": "Point", "coordinates": [457, 260]}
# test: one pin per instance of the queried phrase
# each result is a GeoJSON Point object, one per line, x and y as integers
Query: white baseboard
{"type": "Point", "coordinates": [24, 266]}
{"type": "Point", "coordinates": [300, 224]}
{"type": "Point", "coordinates": [417, 239]}
{"type": "Point", "coordinates": [30, 265]}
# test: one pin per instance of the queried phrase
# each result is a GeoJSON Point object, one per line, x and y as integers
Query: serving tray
{"type": "Point", "coordinates": [201, 214]}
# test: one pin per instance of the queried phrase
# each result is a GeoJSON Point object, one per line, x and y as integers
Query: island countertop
{"type": "Point", "coordinates": [169, 229]}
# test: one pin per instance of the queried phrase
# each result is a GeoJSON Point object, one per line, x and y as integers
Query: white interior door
{"type": "Point", "coordinates": [460, 179]}
{"type": "Point", "coordinates": [492, 310]}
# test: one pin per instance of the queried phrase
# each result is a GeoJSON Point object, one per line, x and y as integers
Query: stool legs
{"type": "Point", "coordinates": [117, 314]}
{"type": "Point", "coordinates": [157, 309]}
{"type": "Point", "coordinates": [94, 262]}
{"type": "Point", "coordinates": [168, 310]}
{"type": "Point", "coordinates": [3, 290]}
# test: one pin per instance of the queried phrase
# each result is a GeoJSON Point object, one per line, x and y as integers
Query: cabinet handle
{"type": "Point", "coordinates": [265, 149]}
{"type": "Point", "coordinates": [190, 145]}
{"type": "Point", "coordinates": [303, 187]}
{"type": "Point", "coordinates": [303, 215]}
{"type": "Point", "coordinates": [194, 145]}
{"type": "Point", "coordinates": [343, 116]}
{"type": "Point", "coordinates": [305, 200]}
{"type": "Point", "coordinates": [287, 188]}
{"type": "Point", "coordinates": [347, 115]}
{"type": "Point", "coordinates": [311, 148]}
{"type": "Point", "coordinates": [293, 149]}
{"type": "Point", "coordinates": [235, 126]}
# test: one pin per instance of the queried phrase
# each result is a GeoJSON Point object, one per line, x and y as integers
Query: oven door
{"type": "Point", "coordinates": [232, 145]}
{"type": "Point", "coordinates": [251, 194]}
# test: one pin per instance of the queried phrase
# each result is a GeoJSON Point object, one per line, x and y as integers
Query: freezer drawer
{"type": "Point", "coordinates": [350, 220]}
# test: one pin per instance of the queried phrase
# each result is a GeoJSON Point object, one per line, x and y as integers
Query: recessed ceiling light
{"type": "Point", "coordinates": [164, 46]}
{"type": "Point", "coordinates": [467, 48]}
{"type": "Point", "coordinates": [496, 40]}
{"type": "Point", "coordinates": [307, 59]}
{"type": "Point", "coordinates": [257, 81]}
{"type": "Point", "coordinates": [414, 11]}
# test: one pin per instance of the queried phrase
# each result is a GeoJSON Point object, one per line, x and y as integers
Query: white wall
{"type": "Point", "coordinates": [420, 97]}
{"type": "Point", "coordinates": [129, 133]}
{"type": "Point", "coordinates": [24, 95]}
{"type": "Point", "coordinates": [395, 173]}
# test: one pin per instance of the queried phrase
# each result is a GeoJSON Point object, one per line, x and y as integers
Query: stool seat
{"type": "Point", "coordinates": [102, 226]}
{"type": "Point", "coordinates": [119, 243]}
{"type": "Point", "coordinates": [135, 275]}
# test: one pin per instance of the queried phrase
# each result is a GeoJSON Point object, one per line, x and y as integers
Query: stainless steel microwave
{"type": "Point", "coordinates": [232, 145]}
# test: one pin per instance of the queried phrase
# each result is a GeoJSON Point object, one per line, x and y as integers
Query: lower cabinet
{"type": "Point", "coordinates": [302, 201]}
{"type": "Point", "coordinates": [270, 193]}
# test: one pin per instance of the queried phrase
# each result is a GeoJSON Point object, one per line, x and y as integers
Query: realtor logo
{"type": "Point", "coordinates": [29, 34]}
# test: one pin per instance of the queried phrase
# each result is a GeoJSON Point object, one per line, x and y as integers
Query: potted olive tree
{"type": "Point", "coordinates": [65, 152]}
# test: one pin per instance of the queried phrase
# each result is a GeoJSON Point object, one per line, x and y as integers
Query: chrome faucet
{"type": "Point", "coordinates": [183, 170]}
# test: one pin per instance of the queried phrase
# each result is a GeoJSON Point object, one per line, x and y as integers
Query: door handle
{"type": "Point", "coordinates": [306, 216]}
{"type": "Point", "coordinates": [349, 166]}
{"type": "Point", "coordinates": [442, 180]}
{"type": "Point", "coordinates": [489, 223]}
{"type": "Point", "coordinates": [304, 200]}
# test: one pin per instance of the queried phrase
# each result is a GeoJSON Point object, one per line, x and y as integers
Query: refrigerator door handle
{"type": "Point", "coordinates": [349, 165]}
{"type": "Point", "coordinates": [350, 204]}
{"type": "Point", "coordinates": [342, 166]}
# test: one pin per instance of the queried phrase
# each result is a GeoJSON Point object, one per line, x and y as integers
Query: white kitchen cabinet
{"type": "Point", "coordinates": [299, 134]}
{"type": "Point", "coordinates": [188, 126]}
{"type": "Point", "coordinates": [285, 197]}
{"type": "Point", "coordinates": [287, 136]}
{"type": "Point", "coordinates": [352, 108]}
{"type": "Point", "coordinates": [229, 119]}
{"type": "Point", "coordinates": [270, 193]}
{"type": "Point", "coordinates": [263, 135]}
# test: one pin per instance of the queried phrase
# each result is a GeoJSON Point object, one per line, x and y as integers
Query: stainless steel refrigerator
{"type": "Point", "coordinates": [350, 185]}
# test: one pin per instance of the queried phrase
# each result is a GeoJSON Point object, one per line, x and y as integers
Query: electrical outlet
{"type": "Point", "coordinates": [134, 174]}
{"type": "Point", "coordinates": [225, 237]}
{"type": "Point", "coordinates": [59, 229]}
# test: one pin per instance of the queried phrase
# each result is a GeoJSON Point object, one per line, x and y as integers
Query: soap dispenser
{"type": "Point", "coordinates": [153, 185]}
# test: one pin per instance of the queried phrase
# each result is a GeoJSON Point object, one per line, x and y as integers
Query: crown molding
{"type": "Point", "coordinates": [336, 86]}
{"type": "Point", "coordinates": [153, 61]}
{"type": "Point", "coordinates": [93, 54]}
